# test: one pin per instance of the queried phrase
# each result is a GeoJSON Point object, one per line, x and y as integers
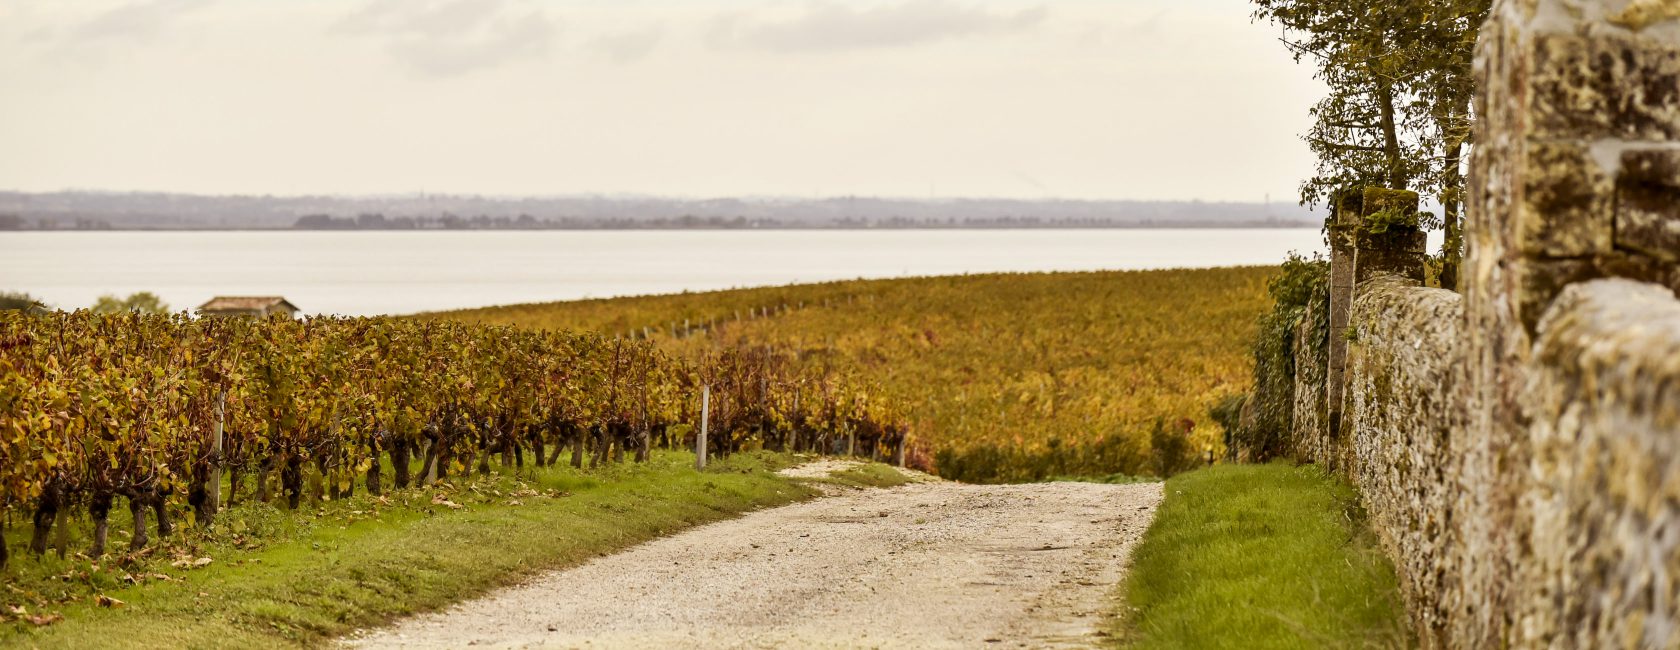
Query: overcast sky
{"type": "Point", "coordinates": [1117, 99]}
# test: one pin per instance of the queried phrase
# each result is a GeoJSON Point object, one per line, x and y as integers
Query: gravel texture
{"type": "Point", "coordinates": [927, 565]}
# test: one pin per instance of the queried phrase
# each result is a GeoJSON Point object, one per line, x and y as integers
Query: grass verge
{"type": "Point", "coordinates": [869, 475]}
{"type": "Point", "coordinates": [1260, 556]}
{"type": "Point", "coordinates": [302, 578]}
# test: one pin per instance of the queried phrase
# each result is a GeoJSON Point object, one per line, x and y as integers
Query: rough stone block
{"type": "Point", "coordinates": [1568, 204]}
{"type": "Point", "coordinates": [1607, 85]}
{"type": "Point", "coordinates": [1349, 206]}
{"type": "Point", "coordinates": [1648, 203]}
{"type": "Point", "coordinates": [1542, 280]}
{"type": "Point", "coordinates": [1397, 252]}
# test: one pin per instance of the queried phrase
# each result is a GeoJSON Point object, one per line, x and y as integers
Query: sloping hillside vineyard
{"type": "Point", "coordinates": [1006, 377]}
{"type": "Point", "coordinates": [156, 408]}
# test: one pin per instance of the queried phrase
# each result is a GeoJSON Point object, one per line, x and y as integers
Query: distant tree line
{"type": "Point", "coordinates": [690, 222]}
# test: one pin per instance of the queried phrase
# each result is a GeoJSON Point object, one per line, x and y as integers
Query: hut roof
{"type": "Point", "coordinates": [245, 303]}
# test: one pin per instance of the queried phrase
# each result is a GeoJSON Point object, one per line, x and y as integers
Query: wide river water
{"type": "Point", "coordinates": [360, 273]}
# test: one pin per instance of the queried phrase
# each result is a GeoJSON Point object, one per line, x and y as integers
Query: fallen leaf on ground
{"type": "Point", "coordinates": [44, 620]}
{"type": "Point", "coordinates": [107, 601]}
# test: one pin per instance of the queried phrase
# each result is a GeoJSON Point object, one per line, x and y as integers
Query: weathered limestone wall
{"type": "Point", "coordinates": [1519, 448]}
{"type": "Point", "coordinates": [1405, 375]}
{"type": "Point", "coordinates": [1602, 567]}
{"type": "Point", "coordinates": [1572, 179]}
{"type": "Point", "coordinates": [1310, 428]}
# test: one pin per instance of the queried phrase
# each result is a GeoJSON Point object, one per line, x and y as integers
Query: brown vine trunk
{"type": "Point", "coordinates": [160, 507]}
{"type": "Point", "coordinates": [428, 460]}
{"type": "Point", "coordinates": [373, 475]}
{"type": "Point", "coordinates": [577, 450]}
{"type": "Point", "coordinates": [137, 508]}
{"type": "Point", "coordinates": [234, 476]}
{"type": "Point", "coordinates": [399, 464]}
{"type": "Point", "coordinates": [198, 496]}
{"type": "Point", "coordinates": [291, 481]}
{"type": "Point", "coordinates": [46, 514]}
{"type": "Point", "coordinates": [265, 490]}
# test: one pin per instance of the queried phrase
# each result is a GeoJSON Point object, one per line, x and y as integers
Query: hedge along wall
{"type": "Point", "coordinates": [1519, 449]}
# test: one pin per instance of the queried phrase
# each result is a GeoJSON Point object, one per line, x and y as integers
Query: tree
{"type": "Point", "coordinates": [1399, 111]}
{"type": "Point", "coordinates": [144, 302]}
{"type": "Point", "coordinates": [10, 300]}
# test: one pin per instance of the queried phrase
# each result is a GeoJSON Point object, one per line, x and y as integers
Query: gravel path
{"type": "Point", "coordinates": [932, 564]}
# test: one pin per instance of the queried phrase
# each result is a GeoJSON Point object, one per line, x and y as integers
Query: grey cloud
{"type": "Point", "coordinates": [628, 47]}
{"type": "Point", "coordinates": [446, 38]}
{"type": "Point", "coordinates": [136, 19]}
{"type": "Point", "coordinates": [830, 26]}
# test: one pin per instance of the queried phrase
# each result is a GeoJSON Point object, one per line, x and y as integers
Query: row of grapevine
{"type": "Point", "coordinates": [1009, 377]}
{"type": "Point", "coordinates": [155, 409]}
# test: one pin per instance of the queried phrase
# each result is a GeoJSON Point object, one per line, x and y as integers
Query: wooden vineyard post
{"type": "Point", "coordinates": [903, 441]}
{"type": "Point", "coordinates": [700, 441]}
{"type": "Point", "coordinates": [215, 486]}
{"type": "Point", "coordinates": [851, 441]}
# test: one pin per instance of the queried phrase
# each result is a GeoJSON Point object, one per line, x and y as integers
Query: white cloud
{"type": "Point", "coordinates": [445, 38]}
{"type": "Point", "coordinates": [136, 19]}
{"type": "Point", "coordinates": [830, 26]}
{"type": "Point", "coordinates": [628, 46]}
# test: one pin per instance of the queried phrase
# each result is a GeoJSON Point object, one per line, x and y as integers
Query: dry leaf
{"type": "Point", "coordinates": [107, 601]}
{"type": "Point", "coordinates": [202, 562]}
{"type": "Point", "coordinates": [44, 619]}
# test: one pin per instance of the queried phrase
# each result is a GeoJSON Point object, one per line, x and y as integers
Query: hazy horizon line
{"type": "Point", "coordinates": [640, 195]}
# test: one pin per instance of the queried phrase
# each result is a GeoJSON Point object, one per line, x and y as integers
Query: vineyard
{"type": "Point", "coordinates": [1011, 377]}
{"type": "Point", "coordinates": [166, 411]}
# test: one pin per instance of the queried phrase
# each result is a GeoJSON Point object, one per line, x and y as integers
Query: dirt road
{"type": "Point", "coordinates": [927, 565]}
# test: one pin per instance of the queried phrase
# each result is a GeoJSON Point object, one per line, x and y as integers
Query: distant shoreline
{"type": "Point", "coordinates": [651, 228]}
{"type": "Point", "coordinates": [154, 211]}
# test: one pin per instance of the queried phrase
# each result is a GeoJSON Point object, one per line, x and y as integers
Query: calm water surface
{"type": "Point", "coordinates": [403, 272]}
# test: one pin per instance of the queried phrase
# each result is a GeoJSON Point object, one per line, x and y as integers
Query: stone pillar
{"type": "Point", "coordinates": [1373, 231]}
{"type": "Point", "coordinates": [1344, 224]}
{"type": "Point", "coordinates": [1575, 175]}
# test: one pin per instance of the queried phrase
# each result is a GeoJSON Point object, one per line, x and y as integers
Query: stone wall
{"type": "Point", "coordinates": [1405, 403]}
{"type": "Point", "coordinates": [1602, 558]}
{"type": "Point", "coordinates": [1518, 448]}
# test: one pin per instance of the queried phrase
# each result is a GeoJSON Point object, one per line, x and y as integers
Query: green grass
{"type": "Point", "coordinates": [1260, 556]}
{"type": "Point", "coordinates": [301, 578]}
{"type": "Point", "coordinates": [870, 475]}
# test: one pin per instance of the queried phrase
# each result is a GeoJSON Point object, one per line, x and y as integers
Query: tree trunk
{"type": "Point", "coordinates": [1452, 245]}
{"type": "Point", "coordinates": [577, 450]}
{"type": "Point", "coordinates": [1397, 177]}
